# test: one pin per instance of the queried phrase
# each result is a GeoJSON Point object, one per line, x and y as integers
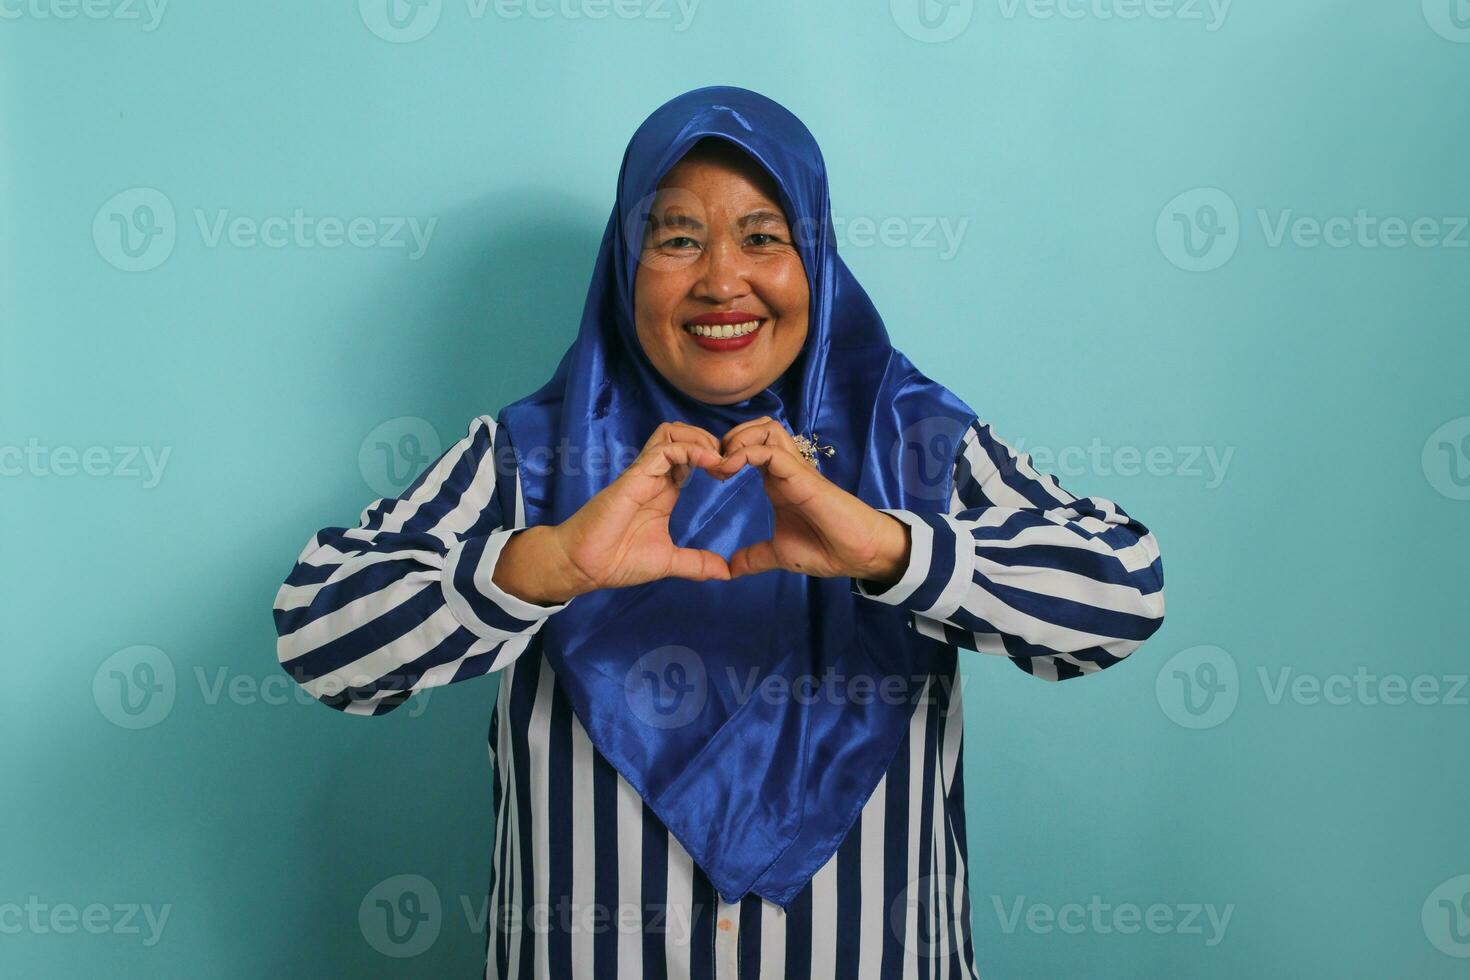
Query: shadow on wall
{"type": "Point", "coordinates": [336, 803]}
{"type": "Point", "coordinates": [497, 314]}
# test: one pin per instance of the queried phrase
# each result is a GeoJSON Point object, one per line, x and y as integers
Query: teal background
{"type": "Point", "coordinates": [1334, 541]}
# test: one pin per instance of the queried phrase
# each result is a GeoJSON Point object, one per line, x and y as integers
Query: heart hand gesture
{"type": "Point", "coordinates": [820, 529]}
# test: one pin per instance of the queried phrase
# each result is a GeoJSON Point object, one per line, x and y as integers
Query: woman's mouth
{"type": "Point", "coordinates": [723, 333]}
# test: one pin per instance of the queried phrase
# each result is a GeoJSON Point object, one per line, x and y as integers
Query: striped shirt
{"type": "Point", "coordinates": [586, 881]}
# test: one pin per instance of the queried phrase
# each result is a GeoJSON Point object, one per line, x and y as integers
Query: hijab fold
{"type": "Point", "coordinates": [755, 717]}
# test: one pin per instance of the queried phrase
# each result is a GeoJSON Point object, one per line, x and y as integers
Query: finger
{"type": "Point", "coordinates": [754, 559]}
{"type": "Point", "coordinates": [660, 459]}
{"type": "Point", "coordinates": [766, 431]}
{"type": "Point", "coordinates": [675, 431]}
{"type": "Point", "coordinates": [698, 565]}
{"type": "Point", "coordinates": [747, 424]}
{"type": "Point", "coordinates": [772, 460]}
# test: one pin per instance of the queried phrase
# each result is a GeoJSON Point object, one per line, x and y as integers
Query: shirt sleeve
{"type": "Point", "coordinates": [1062, 586]}
{"type": "Point", "coordinates": [404, 601]}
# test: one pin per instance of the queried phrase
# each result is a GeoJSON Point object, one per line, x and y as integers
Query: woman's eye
{"type": "Point", "coordinates": [679, 241]}
{"type": "Point", "coordinates": [765, 239]}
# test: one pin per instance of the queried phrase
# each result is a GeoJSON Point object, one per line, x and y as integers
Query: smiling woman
{"type": "Point", "coordinates": [728, 740]}
{"type": "Point", "coordinates": [720, 299]}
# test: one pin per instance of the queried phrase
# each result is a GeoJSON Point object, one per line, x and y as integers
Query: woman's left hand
{"type": "Point", "coordinates": [820, 529]}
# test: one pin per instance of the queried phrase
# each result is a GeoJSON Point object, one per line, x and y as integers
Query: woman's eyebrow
{"type": "Point", "coordinates": [762, 218]}
{"type": "Point", "coordinates": [674, 220]}
{"type": "Point", "coordinates": [658, 222]}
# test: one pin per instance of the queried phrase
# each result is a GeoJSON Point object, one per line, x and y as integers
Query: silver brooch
{"type": "Point", "coordinates": [809, 448]}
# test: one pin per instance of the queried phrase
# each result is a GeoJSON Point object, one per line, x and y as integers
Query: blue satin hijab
{"type": "Point", "coordinates": [755, 717]}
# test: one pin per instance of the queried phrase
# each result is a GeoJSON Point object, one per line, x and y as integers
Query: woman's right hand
{"type": "Point", "coordinates": [620, 537]}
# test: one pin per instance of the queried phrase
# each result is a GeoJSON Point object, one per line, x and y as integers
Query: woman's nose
{"type": "Point", "coordinates": [726, 271]}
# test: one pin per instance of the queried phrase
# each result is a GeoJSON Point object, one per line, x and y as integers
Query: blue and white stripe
{"type": "Point", "coordinates": [1062, 586]}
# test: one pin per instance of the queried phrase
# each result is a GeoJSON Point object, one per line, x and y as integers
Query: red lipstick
{"type": "Point", "coordinates": [724, 318]}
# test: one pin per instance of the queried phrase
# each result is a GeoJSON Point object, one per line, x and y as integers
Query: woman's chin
{"type": "Point", "coordinates": [721, 392]}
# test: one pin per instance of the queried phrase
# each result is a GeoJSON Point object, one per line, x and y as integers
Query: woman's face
{"type": "Point", "coordinates": [718, 259]}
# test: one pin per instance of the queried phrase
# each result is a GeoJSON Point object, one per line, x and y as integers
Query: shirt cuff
{"type": "Point", "coordinates": [941, 566]}
{"type": "Point", "coordinates": [480, 605]}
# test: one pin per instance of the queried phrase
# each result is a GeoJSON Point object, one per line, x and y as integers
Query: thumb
{"type": "Point", "coordinates": [754, 559]}
{"type": "Point", "coordinates": [698, 564]}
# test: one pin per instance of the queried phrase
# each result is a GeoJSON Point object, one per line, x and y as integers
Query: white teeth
{"type": "Point", "coordinates": [722, 330]}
